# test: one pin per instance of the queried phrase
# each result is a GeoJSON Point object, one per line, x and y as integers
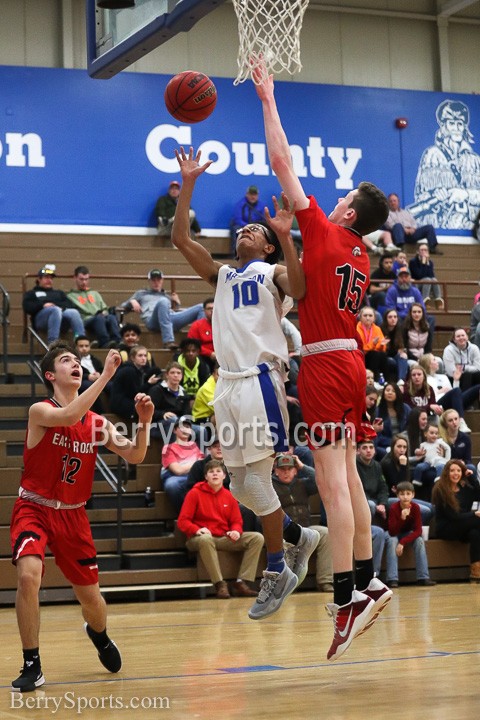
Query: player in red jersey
{"type": "Point", "coordinates": [59, 461]}
{"type": "Point", "coordinates": [332, 374]}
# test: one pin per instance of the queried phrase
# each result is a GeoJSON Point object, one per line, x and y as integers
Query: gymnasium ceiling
{"type": "Point", "coordinates": [455, 10]}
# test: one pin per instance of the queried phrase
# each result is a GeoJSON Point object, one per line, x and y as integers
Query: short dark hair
{"type": "Point", "coordinates": [81, 337]}
{"type": "Point", "coordinates": [274, 256]}
{"type": "Point", "coordinates": [47, 363]}
{"type": "Point", "coordinates": [130, 327]}
{"type": "Point", "coordinates": [213, 464]}
{"type": "Point", "coordinates": [208, 301]}
{"type": "Point", "coordinates": [185, 342]}
{"type": "Point", "coordinates": [81, 270]}
{"type": "Point", "coordinates": [371, 207]}
{"type": "Point", "coordinates": [405, 485]}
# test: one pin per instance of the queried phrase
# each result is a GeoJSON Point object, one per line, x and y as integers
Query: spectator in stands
{"type": "Point", "coordinates": [92, 369]}
{"type": "Point", "coordinates": [417, 333]}
{"type": "Point", "coordinates": [418, 393]}
{"type": "Point", "coordinates": [292, 333]}
{"type": "Point", "coordinates": [396, 352]}
{"type": "Point", "coordinates": [210, 518]}
{"type": "Point", "coordinates": [396, 469]}
{"type": "Point", "coordinates": [379, 242]}
{"type": "Point", "coordinates": [445, 395]}
{"type": "Point", "coordinates": [394, 414]}
{"type": "Point", "coordinates": [131, 378]}
{"type": "Point", "coordinates": [96, 316]}
{"type": "Point", "coordinates": [405, 528]}
{"type": "Point", "coordinates": [130, 336]}
{"type": "Point", "coordinates": [403, 227]}
{"type": "Point", "coordinates": [475, 322]}
{"type": "Point", "coordinates": [160, 311]}
{"type": "Point", "coordinates": [249, 209]}
{"type": "Point", "coordinates": [203, 410]}
{"type": "Point", "coordinates": [169, 398]}
{"type": "Point", "coordinates": [437, 453]}
{"type": "Point", "coordinates": [165, 209]}
{"type": "Point", "coordinates": [459, 441]}
{"type": "Point", "coordinates": [202, 331]}
{"type": "Point", "coordinates": [400, 260]}
{"type": "Point", "coordinates": [464, 356]}
{"type": "Point", "coordinates": [453, 496]}
{"type": "Point", "coordinates": [50, 309]}
{"type": "Point", "coordinates": [373, 482]}
{"type": "Point", "coordinates": [421, 268]}
{"type": "Point", "coordinates": [373, 342]}
{"type": "Point", "coordinates": [378, 287]}
{"type": "Point", "coordinates": [294, 494]}
{"type": "Point", "coordinates": [416, 425]}
{"type": "Point", "coordinates": [177, 459]}
{"type": "Point", "coordinates": [196, 370]}
{"type": "Point", "coordinates": [401, 295]}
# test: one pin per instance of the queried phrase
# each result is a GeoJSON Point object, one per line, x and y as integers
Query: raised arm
{"type": "Point", "coordinates": [133, 451]}
{"type": "Point", "coordinates": [290, 279]}
{"type": "Point", "coordinates": [198, 257]}
{"type": "Point", "coordinates": [278, 147]}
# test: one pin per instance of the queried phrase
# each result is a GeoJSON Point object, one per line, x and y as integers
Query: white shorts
{"type": "Point", "coordinates": [251, 417]}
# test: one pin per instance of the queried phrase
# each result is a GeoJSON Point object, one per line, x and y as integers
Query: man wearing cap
{"type": "Point", "coordinates": [403, 227]}
{"type": "Point", "coordinates": [247, 210]}
{"type": "Point", "coordinates": [165, 212]}
{"type": "Point", "coordinates": [160, 311]}
{"type": "Point", "coordinates": [94, 310]}
{"type": "Point", "coordinates": [402, 294]}
{"type": "Point", "coordinates": [51, 309]}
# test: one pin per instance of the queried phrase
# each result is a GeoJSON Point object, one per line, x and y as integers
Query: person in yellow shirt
{"type": "Point", "coordinates": [203, 410]}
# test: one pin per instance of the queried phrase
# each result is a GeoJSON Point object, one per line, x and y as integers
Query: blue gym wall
{"type": "Point", "coordinates": [104, 149]}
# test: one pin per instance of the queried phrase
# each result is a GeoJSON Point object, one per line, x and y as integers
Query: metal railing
{"type": "Point", "coordinates": [4, 313]}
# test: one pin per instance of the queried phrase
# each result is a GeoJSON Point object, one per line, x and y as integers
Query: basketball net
{"type": "Point", "coordinates": [269, 34]}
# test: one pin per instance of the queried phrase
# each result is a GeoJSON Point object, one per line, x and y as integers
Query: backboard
{"type": "Point", "coordinates": [117, 38]}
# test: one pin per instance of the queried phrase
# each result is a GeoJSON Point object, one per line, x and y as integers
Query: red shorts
{"type": "Point", "coordinates": [331, 389]}
{"type": "Point", "coordinates": [66, 532]}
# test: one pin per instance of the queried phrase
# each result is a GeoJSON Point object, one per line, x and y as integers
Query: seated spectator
{"type": "Point", "coordinates": [131, 378]}
{"type": "Point", "coordinates": [416, 426]}
{"type": "Point", "coordinates": [403, 227]}
{"type": "Point", "coordinates": [292, 333]}
{"type": "Point", "coordinates": [464, 356]}
{"type": "Point", "coordinates": [396, 469]}
{"type": "Point", "coordinates": [294, 495]}
{"type": "Point", "coordinates": [177, 459]}
{"type": "Point", "coordinates": [437, 454]}
{"type": "Point", "coordinates": [169, 398]}
{"type": "Point", "coordinates": [373, 482]}
{"type": "Point", "coordinates": [202, 330]}
{"type": "Point", "coordinates": [417, 393]}
{"type": "Point", "coordinates": [130, 336]}
{"type": "Point", "coordinates": [421, 268]}
{"type": "Point", "coordinates": [160, 311]}
{"type": "Point", "coordinates": [379, 242]}
{"type": "Point", "coordinates": [453, 496]}
{"type": "Point", "coordinates": [459, 442]}
{"type": "Point", "coordinates": [196, 370]}
{"type": "Point", "coordinates": [196, 474]}
{"type": "Point", "coordinates": [445, 395]}
{"type": "Point", "coordinates": [96, 316]}
{"type": "Point", "coordinates": [405, 528]}
{"type": "Point", "coordinates": [91, 369]}
{"type": "Point", "coordinates": [248, 210]}
{"type": "Point", "coordinates": [401, 296]}
{"type": "Point", "coordinates": [50, 309]}
{"type": "Point", "coordinates": [475, 322]}
{"type": "Point", "coordinates": [210, 518]}
{"type": "Point", "coordinates": [400, 260]}
{"type": "Point", "coordinates": [417, 333]}
{"type": "Point", "coordinates": [378, 287]}
{"type": "Point", "coordinates": [165, 210]}
{"type": "Point", "coordinates": [373, 343]}
{"type": "Point", "coordinates": [396, 352]}
{"type": "Point", "coordinates": [203, 410]}
{"type": "Point", "coordinates": [393, 412]}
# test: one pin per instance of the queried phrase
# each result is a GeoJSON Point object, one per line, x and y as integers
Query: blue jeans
{"type": "Point", "coordinates": [421, 562]}
{"type": "Point", "coordinates": [166, 321]}
{"type": "Point", "coordinates": [426, 232]}
{"type": "Point", "coordinates": [378, 543]}
{"type": "Point", "coordinates": [421, 467]}
{"type": "Point", "coordinates": [53, 318]}
{"type": "Point", "coordinates": [176, 487]}
{"type": "Point", "coordinates": [105, 328]}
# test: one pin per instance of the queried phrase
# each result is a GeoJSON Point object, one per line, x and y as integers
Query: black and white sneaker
{"type": "Point", "coordinates": [109, 655]}
{"type": "Point", "coordinates": [30, 678]}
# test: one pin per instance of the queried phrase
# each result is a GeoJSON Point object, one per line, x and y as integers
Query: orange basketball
{"type": "Point", "coordinates": [190, 96]}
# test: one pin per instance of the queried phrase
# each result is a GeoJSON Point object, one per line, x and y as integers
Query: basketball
{"type": "Point", "coordinates": [190, 96]}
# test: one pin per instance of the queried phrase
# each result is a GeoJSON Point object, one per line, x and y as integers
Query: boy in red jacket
{"type": "Point", "coordinates": [210, 518]}
{"type": "Point", "coordinates": [405, 527]}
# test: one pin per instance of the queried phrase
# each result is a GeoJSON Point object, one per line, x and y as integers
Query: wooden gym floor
{"type": "Point", "coordinates": [206, 659]}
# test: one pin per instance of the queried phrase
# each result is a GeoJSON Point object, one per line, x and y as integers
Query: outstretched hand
{"type": "Point", "coordinates": [112, 362]}
{"type": "Point", "coordinates": [281, 222]}
{"type": "Point", "coordinates": [144, 407]}
{"type": "Point", "coordinates": [262, 80]}
{"type": "Point", "coordinates": [190, 164]}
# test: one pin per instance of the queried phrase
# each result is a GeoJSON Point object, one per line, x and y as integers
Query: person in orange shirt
{"type": "Point", "coordinates": [373, 343]}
